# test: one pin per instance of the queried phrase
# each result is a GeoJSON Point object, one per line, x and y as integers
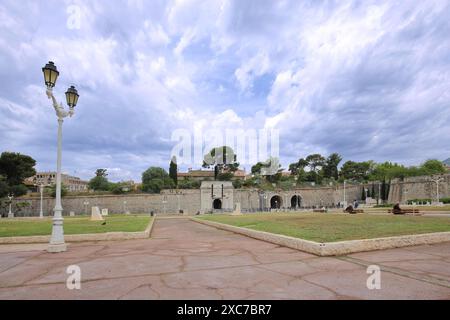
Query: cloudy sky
{"type": "Point", "coordinates": [366, 79]}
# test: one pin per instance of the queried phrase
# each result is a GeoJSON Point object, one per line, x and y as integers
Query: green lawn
{"type": "Point", "coordinates": [73, 225]}
{"type": "Point", "coordinates": [323, 227]}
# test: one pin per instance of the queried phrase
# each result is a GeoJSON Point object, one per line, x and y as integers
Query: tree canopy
{"type": "Point", "coordinates": [14, 168]}
{"type": "Point", "coordinates": [155, 179]}
{"type": "Point", "coordinates": [221, 159]}
{"type": "Point", "coordinates": [99, 182]}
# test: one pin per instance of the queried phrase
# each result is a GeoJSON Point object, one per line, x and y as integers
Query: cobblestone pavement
{"type": "Point", "coordinates": [187, 260]}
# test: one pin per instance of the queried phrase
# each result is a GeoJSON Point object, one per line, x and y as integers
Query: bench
{"type": "Point", "coordinates": [413, 212]}
{"type": "Point", "coordinates": [355, 211]}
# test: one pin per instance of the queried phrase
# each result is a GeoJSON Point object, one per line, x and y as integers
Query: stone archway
{"type": "Point", "coordinates": [275, 202]}
{"type": "Point", "coordinates": [217, 204]}
{"type": "Point", "coordinates": [296, 201]}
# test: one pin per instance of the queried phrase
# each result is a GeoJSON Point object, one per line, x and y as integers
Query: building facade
{"type": "Point", "coordinates": [73, 184]}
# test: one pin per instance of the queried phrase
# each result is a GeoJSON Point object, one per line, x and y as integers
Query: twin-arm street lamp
{"type": "Point", "coordinates": [51, 74]}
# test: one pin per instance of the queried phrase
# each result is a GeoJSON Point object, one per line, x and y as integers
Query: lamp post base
{"type": "Point", "coordinates": [55, 248]}
{"type": "Point", "coordinates": [10, 215]}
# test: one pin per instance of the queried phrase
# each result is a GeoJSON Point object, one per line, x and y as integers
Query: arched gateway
{"type": "Point", "coordinates": [296, 201]}
{"type": "Point", "coordinates": [275, 202]}
{"type": "Point", "coordinates": [217, 204]}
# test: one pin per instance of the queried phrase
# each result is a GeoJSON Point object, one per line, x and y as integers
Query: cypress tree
{"type": "Point", "coordinates": [173, 168]}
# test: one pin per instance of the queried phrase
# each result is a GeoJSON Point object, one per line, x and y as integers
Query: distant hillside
{"type": "Point", "coordinates": [447, 162]}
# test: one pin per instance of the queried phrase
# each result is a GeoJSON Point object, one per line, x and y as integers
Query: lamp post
{"type": "Point", "coordinates": [345, 201]}
{"type": "Point", "coordinates": [164, 201]}
{"type": "Point", "coordinates": [437, 180]}
{"type": "Point", "coordinates": [10, 213]}
{"type": "Point", "coordinates": [41, 189]}
{"type": "Point", "coordinates": [86, 203]}
{"type": "Point", "coordinates": [51, 74]}
{"type": "Point", "coordinates": [379, 193]}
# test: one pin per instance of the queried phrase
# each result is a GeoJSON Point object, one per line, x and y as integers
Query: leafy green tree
{"type": "Point", "coordinates": [155, 179]}
{"type": "Point", "coordinates": [119, 187]}
{"type": "Point", "coordinates": [173, 170]}
{"type": "Point", "coordinates": [225, 176]}
{"type": "Point", "coordinates": [298, 166]}
{"type": "Point", "coordinates": [237, 184]}
{"type": "Point", "coordinates": [51, 190]}
{"type": "Point", "coordinates": [18, 190]}
{"type": "Point", "coordinates": [315, 162]}
{"type": "Point", "coordinates": [433, 166]}
{"type": "Point", "coordinates": [101, 173]}
{"type": "Point", "coordinates": [358, 171]}
{"type": "Point", "coordinates": [330, 169]}
{"type": "Point", "coordinates": [99, 183]}
{"type": "Point", "coordinates": [256, 169]}
{"type": "Point", "coordinates": [188, 183]}
{"type": "Point", "coordinates": [221, 159]}
{"type": "Point", "coordinates": [4, 188]}
{"type": "Point", "coordinates": [16, 167]}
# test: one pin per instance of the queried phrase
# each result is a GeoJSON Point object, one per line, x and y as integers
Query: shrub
{"type": "Point", "coordinates": [418, 200]}
{"type": "Point", "coordinates": [188, 184]}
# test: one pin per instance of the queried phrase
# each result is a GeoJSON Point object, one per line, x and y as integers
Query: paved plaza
{"type": "Point", "coordinates": [188, 260]}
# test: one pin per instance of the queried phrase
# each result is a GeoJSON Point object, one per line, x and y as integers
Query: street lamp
{"type": "Point", "coordinates": [10, 213]}
{"type": "Point", "coordinates": [345, 201]}
{"type": "Point", "coordinates": [437, 180]}
{"type": "Point", "coordinates": [51, 74]}
{"type": "Point", "coordinates": [41, 190]}
{"type": "Point", "coordinates": [86, 203]}
{"type": "Point", "coordinates": [379, 193]}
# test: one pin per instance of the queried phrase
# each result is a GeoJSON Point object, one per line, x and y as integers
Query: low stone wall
{"type": "Point", "coordinates": [107, 236]}
{"type": "Point", "coordinates": [334, 248]}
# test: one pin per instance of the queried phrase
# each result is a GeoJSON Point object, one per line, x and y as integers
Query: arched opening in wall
{"type": "Point", "coordinates": [275, 202]}
{"type": "Point", "coordinates": [217, 204]}
{"type": "Point", "coordinates": [296, 202]}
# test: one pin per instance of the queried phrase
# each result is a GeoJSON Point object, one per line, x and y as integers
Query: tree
{"type": "Point", "coordinates": [256, 169]}
{"type": "Point", "coordinates": [221, 159]}
{"type": "Point", "coordinates": [4, 188]}
{"type": "Point", "coordinates": [188, 183]}
{"type": "Point", "coordinates": [16, 167]}
{"type": "Point", "coordinates": [433, 166]}
{"type": "Point", "coordinates": [101, 173]}
{"type": "Point", "coordinates": [99, 183]}
{"type": "Point", "coordinates": [315, 164]}
{"type": "Point", "coordinates": [18, 190]}
{"type": "Point", "coordinates": [363, 194]}
{"type": "Point", "coordinates": [358, 171]}
{"type": "Point", "coordinates": [330, 169]}
{"type": "Point", "coordinates": [225, 176]}
{"type": "Point", "coordinates": [154, 179]}
{"type": "Point", "coordinates": [51, 190]}
{"type": "Point", "coordinates": [298, 166]}
{"type": "Point", "coordinates": [173, 170]}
